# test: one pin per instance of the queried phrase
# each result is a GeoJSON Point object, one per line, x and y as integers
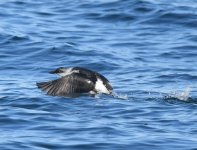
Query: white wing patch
{"type": "Point", "coordinates": [100, 87]}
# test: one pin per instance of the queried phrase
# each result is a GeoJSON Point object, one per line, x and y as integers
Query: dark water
{"type": "Point", "coordinates": [146, 48]}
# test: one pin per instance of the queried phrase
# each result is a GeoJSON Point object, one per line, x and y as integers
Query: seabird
{"type": "Point", "coordinates": [75, 81]}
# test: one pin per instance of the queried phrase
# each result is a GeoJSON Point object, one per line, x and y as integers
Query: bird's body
{"type": "Point", "coordinates": [75, 81]}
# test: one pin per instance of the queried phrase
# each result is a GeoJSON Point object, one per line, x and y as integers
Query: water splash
{"type": "Point", "coordinates": [120, 96]}
{"type": "Point", "coordinates": [181, 95]}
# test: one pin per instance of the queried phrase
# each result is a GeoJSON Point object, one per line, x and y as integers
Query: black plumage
{"type": "Point", "coordinates": [74, 81]}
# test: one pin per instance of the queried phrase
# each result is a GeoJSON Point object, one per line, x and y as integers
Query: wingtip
{"type": "Point", "coordinates": [37, 84]}
{"type": "Point", "coordinates": [41, 84]}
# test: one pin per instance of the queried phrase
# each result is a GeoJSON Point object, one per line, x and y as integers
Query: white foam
{"type": "Point", "coordinates": [181, 95]}
{"type": "Point", "coordinates": [120, 96]}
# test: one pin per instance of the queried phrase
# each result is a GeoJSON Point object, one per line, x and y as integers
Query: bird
{"type": "Point", "coordinates": [76, 81]}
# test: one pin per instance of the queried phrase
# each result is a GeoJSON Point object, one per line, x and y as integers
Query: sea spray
{"type": "Point", "coordinates": [120, 96]}
{"type": "Point", "coordinates": [181, 95]}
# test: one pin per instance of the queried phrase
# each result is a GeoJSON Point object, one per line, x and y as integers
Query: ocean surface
{"type": "Point", "coordinates": [146, 48]}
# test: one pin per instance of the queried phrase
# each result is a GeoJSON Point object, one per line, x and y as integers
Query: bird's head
{"type": "Point", "coordinates": [62, 71]}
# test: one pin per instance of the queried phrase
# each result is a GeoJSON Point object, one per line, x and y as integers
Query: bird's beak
{"type": "Point", "coordinates": [56, 71]}
{"type": "Point", "coordinates": [53, 72]}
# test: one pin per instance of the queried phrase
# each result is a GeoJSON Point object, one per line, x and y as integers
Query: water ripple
{"type": "Point", "coordinates": [146, 48]}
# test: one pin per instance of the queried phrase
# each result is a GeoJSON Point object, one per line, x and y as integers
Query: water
{"type": "Point", "coordinates": [146, 48]}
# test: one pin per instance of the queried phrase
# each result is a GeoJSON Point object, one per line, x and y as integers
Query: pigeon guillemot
{"type": "Point", "coordinates": [76, 80]}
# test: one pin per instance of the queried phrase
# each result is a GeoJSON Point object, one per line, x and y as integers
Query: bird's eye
{"type": "Point", "coordinates": [88, 81]}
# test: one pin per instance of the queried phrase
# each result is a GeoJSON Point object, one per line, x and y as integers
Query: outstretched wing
{"type": "Point", "coordinates": [67, 85]}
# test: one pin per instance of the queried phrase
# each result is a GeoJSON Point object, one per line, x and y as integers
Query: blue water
{"type": "Point", "coordinates": [146, 48]}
